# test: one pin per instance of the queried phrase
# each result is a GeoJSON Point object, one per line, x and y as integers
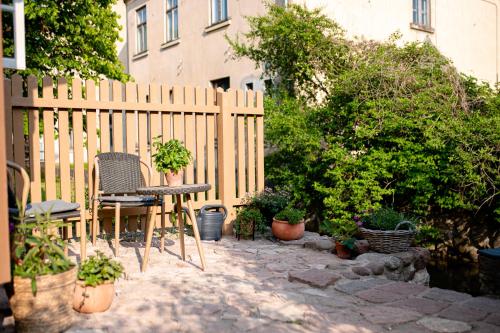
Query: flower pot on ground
{"type": "Point", "coordinates": [171, 158]}
{"type": "Point", "coordinates": [247, 222]}
{"type": "Point", "coordinates": [289, 224]}
{"type": "Point", "coordinates": [344, 232]}
{"type": "Point", "coordinates": [44, 279]}
{"type": "Point", "coordinates": [95, 288]}
{"type": "Point", "coordinates": [388, 231]}
{"type": "Point", "coordinates": [343, 251]}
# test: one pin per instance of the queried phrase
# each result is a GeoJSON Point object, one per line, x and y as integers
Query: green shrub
{"type": "Point", "coordinates": [99, 269]}
{"type": "Point", "coordinates": [388, 219]}
{"type": "Point", "coordinates": [246, 219]}
{"type": "Point", "coordinates": [291, 215]}
{"type": "Point", "coordinates": [390, 126]}
{"type": "Point", "coordinates": [269, 203]}
{"type": "Point", "coordinates": [171, 155]}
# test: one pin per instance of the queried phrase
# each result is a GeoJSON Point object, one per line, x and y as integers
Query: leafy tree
{"type": "Point", "coordinates": [70, 38]}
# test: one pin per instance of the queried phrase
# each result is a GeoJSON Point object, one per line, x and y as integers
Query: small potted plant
{"type": "Point", "coordinates": [171, 158]}
{"type": "Point", "coordinates": [247, 222]}
{"type": "Point", "coordinates": [44, 278]}
{"type": "Point", "coordinates": [95, 287]}
{"type": "Point", "coordinates": [345, 242]}
{"type": "Point", "coordinates": [288, 224]}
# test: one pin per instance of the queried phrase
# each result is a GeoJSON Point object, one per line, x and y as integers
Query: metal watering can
{"type": "Point", "coordinates": [210, 221]}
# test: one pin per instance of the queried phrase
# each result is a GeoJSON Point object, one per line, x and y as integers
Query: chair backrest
{"type": "Point", "coordinates": [21, 186]}
{"type": "Point", "coordinates": [119, 173]}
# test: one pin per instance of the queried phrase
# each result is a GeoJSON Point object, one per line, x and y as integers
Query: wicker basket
{"type": "Point", "coordinates": [391, 241]}
{"type": "Point", "coordinates": [51, 310]}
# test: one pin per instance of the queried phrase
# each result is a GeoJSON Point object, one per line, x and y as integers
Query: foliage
{"type": "Point", "coordinates": [37, 251]}
{"type": "Point", "coordinates": [171, 155]}
{"type": "Point", "coordinates": [427, 235]}
{"type": "Point", "coordinates": [388, 219]}
{"type": "Point", "coordinates": [310, 41]}
{"type": "Point", "coordinates": [291, 215]}
{"type": "Point", "coordinates": [269, 203]}
{"type": "Point", "coordinates": [246, 219]}
{"type": "Point", "coordinates": [99, 269]}
{"type": "Point", "coordinates": [342, 231]}
{"type": "Point", "coordinates": [72, 38]}
{"type": "Point", "coordinates": [391, 125]}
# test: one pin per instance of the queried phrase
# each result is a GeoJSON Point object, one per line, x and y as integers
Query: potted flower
{"type": "Point", "coordinates": [388, 231]}
{"type": "Point", "coordinates": [95, 288]}
{"type": "Point", "coordinates": [288, 224]}
{"type": "Point", "coordinates": [343, 232]}
{"type": "Point", "coordinates": [248, 220]}
{"type": "Point", "coordinates": [44, 278]}
{"type": "Point", "coordinates": [171, 158]}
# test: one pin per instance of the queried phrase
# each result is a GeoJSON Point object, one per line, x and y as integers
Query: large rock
{"type": "Point", "coordinates": [319, 278]}
{"type": "Point", "coordinates": [320, 245]}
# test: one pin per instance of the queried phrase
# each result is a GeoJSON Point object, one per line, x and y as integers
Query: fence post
{"type": "Point", "coordinates": [226, 157]}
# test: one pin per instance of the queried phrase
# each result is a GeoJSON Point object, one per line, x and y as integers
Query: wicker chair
{"type": "Point", "coordinates": [117, 176]}
{"type": "Point", "coordinates": [59, 209]}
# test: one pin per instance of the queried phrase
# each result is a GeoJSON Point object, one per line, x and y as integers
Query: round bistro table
{"type": "Point", "coordinates": [177, 191]}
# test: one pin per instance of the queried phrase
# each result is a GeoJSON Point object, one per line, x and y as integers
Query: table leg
{"type": "Point", "coordinates": [195, 230]}
{"type": "Point", "coordinates": [149, 235]}
{"type": "Point", "coordinates": [162, 238]}
{"type": "Point", "coordinates": [180, 223]}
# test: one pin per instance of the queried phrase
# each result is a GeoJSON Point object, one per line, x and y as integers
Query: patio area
{"type": "Point", "coordinates": [246, 288]}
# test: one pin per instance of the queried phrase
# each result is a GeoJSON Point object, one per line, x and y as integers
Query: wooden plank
{"type": "Point", "coordinates": [211, 156]}
{"type": "Point", "coordinates": [260, 144]}
{"type": "Point", "coordinates": [117, 118]}
{"type": "Point", "coordinates": [8, 120]}
{"type": "Point", "coordinates": [241, 156]}
{"type": "Point", "coordinates": [130, 117]}
{"type": "Point", "coordinates": [143, 136]}
{"type": "Point", "coordinates": [34, 147]}
{"type": "Point", "coordinates": [178, 99]}
{"type": "Point", "coordinates": [92, 145]}
{"type": "Point", "coordinates": [155, 128]}
{"type": "Point", "coordinates": [104, 116]}
{"type": "Point", "coordinates": [251, 153]}
{"type": "Point", "coordinates": [201, 135]}
{"type": "Point", "coordinates": [78, 153]}
{"type": "Point", "coordinates": [189, 133]}
{"type": "Point", "coordinates": [48, 143]}
{"type": "Point", "coordinates": [18, 131]}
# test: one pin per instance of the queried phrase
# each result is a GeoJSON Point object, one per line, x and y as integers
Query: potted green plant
{"type": "Point", "coordinates": [95, 287]}
{"type": "Point", "coordinates": [171, 158]}
{"type": "Point", "coordinates": [288, 224]}
{"type": "Point", "coordinates": [44, 278]}
{"type": "Point", "coordinates": [388, 231]}
{"type": "Point", "coordinates": [247, 222]}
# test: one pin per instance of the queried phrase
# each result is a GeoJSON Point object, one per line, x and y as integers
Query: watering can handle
{"type": "Point", "coordinates": [202, 209]}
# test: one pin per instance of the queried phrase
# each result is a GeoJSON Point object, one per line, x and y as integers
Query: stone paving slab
{"type": "Point", "coordinates": [320, 278]}
{"type": "Point", "coordinates": [245, 288]}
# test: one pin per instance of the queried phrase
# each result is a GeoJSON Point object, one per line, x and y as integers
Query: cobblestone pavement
{"type": "Point", "coordinates": [247, 288]}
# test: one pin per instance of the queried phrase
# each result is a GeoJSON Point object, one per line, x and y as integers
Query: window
{"type": "Point", "coordinates": [221, 83]}
{"type": "Point", "coordinates": [421, 11]}
{"type": "Point", "coordinates": [13, 34]}
{"type": "Point", "coordinates": [172, 20]}
{"type": "Point", "coordinates": [219, 11]}
{"type": "Point", "coordinates": [142, 30]}
{"type": "Point", "coordinates": [249, 86]}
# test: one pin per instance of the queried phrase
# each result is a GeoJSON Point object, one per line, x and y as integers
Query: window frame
{"type": "Point", "coordinates": [224, 12]}
{"type": "Point", "coordinates": [141, 30]}
{"type": "Point", "coordinates": [19, 60]}
{"type": "Point", "coordinates": [418, 12]}
{"type": "Point", "coordinates": [171, 36]}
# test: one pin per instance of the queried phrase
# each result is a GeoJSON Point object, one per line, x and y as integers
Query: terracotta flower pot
{"type": "Point", "coordinates": [175, 179]}
{"type": "Point", "coordinates": [343, 252]}
{"type": "Point", "coordinates": [50, 310]}
{"type": "Point", "coordinates": [89, 299]}
{"type": "Point", "coordinates": [285, 231]}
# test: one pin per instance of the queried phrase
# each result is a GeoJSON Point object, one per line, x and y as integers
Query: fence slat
{"type": "Point", "coordinates": [104, 116]}
{"type": "Point", "coordinates": [241, 157]}
{"type": "Point", "coordinates": [251, 153]}
{"type": "Point", "coordinates": [117, 118]}
{"type": "Point", "coordinates": [155, 121]}
{"type": "Point", "coordinates": [34, 148]}
{"type": "Point", "coordinates": [78, 153]}
{"type": "Point", "coordinates": [260, 142]}
{"type": "Point", "coordinates": [143, 135]}
{"type": "Point", "coordinates": [211, 155]}
{"type": "Point", "coordinates": [130, 118]}
{"type": "Point", "coordinates": [91, 138]}
{"type": "Point", "coordinates": [8, 119]}
{"type": "Point", "coordinates": [48, 143]}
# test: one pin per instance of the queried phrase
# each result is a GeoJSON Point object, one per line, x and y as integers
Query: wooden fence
{"type": "Point", "coordinates": [74, 122]}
